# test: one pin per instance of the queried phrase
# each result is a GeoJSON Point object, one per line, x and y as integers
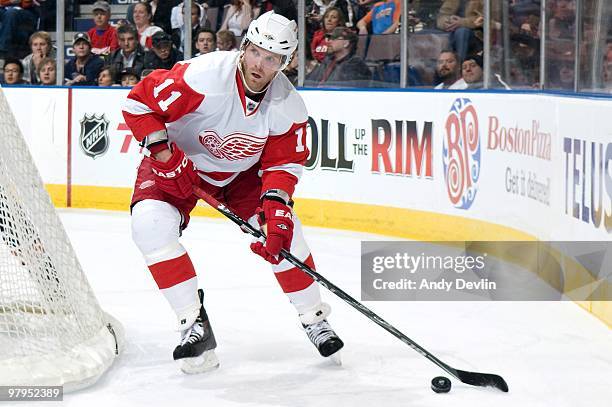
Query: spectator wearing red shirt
{"type": "Point", "coordinates": [332, 18]}
{"type": "Point", "coordinates": [103, 35]}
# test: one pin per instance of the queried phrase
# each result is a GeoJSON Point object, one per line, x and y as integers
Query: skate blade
{"type": "Point", "coordinates": [200, 364]}
{"type": "Point", "coordinates": [336, 358]}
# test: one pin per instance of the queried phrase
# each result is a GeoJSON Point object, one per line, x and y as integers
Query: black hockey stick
{"type": "Point", "coordinates": [473, 378]}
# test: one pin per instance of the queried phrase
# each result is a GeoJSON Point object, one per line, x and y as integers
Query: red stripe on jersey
{"type": "Point", "coordinates": [172, 272]}
{"type": "Point", "coordinates": [288, 148]}
{"type": "Point", "coordinates": [168, 96]}
{"type": "Point", "coordinates": [241, 92]}
{"type": "Point", "coordinates": [217, 175]}
{"type": "Point", "coordinates": [295, 279]}
{"type": "Point", "coordinates": [242, 95]}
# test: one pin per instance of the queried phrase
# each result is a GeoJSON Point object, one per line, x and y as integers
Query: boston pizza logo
{"type": "Point", "coordinates": [94, 139]}
{"type": "Point", "coordinates": [461, 153]}
{"type": "Point", "coordinates": [236, 146]}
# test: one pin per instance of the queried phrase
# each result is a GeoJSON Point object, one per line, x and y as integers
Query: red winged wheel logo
{"type": "Point", "coordinates": [236, 146]}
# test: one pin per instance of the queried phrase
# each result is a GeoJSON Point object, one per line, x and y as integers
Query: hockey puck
{"type": "Point", "coordinates": [441, 384]}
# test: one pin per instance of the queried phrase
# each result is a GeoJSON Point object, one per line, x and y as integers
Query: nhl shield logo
{"type": "Point", "coordinates": [94, 135]}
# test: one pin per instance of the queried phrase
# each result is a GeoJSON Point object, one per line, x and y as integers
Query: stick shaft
{"type": "Point", "coordinates": [478, 380]}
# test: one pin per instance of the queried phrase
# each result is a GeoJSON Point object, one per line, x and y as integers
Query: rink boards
{"type": "Point", "coordinates": [419, 165]}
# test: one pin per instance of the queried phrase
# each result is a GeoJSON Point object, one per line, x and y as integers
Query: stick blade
{"type": "Point", "coordinates": [483, 380]}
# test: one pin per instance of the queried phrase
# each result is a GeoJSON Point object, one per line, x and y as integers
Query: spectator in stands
{"type": "Point", "coordinates": [13, 72]}
{"type": "Point", "coordinates": [316, 9]}
{"type": "Point", "coordinates": [84, 67]}
{"type": "Point", "coordinates": [332, 18]}
{"type": "Point", "coordinates": [286, 8]}
{"type": "Point", "coordinates": [47, 72]}
{"type": "Point", "coordinates": [464, 20]}
{"type": "Point", "coordinates": [291, 71]}
{"type": "Point", "coordinates": [561, 25]}
{"type": "Point", "coordinates": [162, 54]}
{"type": "Point", "coordinates": [226, 41]}
{"type": "Point", "coordinates": [106, 76]}
{"type": "Point", "coordinates": [130, 53]}
{"type": "Point", "coordinates": [18, 20]}
{"type": "Point", "coordinates": [448, 71]}
{"type": "Point", "coordinates": [239, 16]}
{"type": "Point", "coordinates": [129, 78]}
{"type": "Point", "coordinates": [178, 34]}
{"type": "Point", "coordinates": [103, 35]}
{"type": "Point", "coordinates": [161, 10]}
{"type": "Point", "coordinates": [383, 18]}
{"type": "Point", "coordinates": [41, 46]}
{"type": "Point", "coordinates": [607, 76]}
{"type": "Point", "coordinates": [341, 66]}
{"type": "Point", "coordinates": [205, 41]}
{"type": "Point", "coordinates": [142, 20]}
{"type": "Point", "coordinates": [471, 70]}
{"type": "Point", "coordinates": [525, 65]}
{"type": "Point", "coordinates": [562, 76]}
{"type": "Point", "coordinates": [176, 19]}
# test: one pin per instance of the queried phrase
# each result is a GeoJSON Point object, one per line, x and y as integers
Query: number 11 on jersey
{"type": "Point", "coordinates": [300, 133]}
{"type": "Point", "coordinates": [165, 103]}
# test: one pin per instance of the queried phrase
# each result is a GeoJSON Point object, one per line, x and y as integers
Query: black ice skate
{"type": "Point", "coordinates": [323, 337]}
{"type": "Point", "coordinates": [197, 348]}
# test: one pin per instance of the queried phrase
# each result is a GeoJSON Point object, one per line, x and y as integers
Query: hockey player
{"type": "Point", "coordinates": [232, 124]}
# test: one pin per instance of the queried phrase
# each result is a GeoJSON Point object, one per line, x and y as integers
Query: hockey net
{"type": "Point", "coordinates": [52, 329]}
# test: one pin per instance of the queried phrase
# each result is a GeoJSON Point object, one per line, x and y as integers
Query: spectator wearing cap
{"type": "Point", "coordinates": [205, 41]}
{"type": "Point", "coordinates": [13, 72]}
{"type": "Point", "coordinates": [162, 54]}
{"type": "Point", "coordinates": [130, 53]}
{"type": "Point", "coordinates": [47, 72]}
{"type": "Point", "coordinates": [143, 13]}
{"type": "Point", "coordinates": [103, 36]}
{"type": "Point", "coordinates": [341, 66]}
{"type": "Point", "coordinates": [383, 18]}
{"type": "Point", "coordinates": [84, 67]}
{"type": "Point", "coordinates": [448, 71]}
{"type": "Point", "coordinates": [471, 71]}
{"type": "Point", "coordinates": [129, 78]}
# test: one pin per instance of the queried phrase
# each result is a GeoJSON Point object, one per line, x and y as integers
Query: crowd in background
{"type": "Point", "coordinates": [349, 42]}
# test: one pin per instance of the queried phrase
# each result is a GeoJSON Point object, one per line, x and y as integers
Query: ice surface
{"type": "Point", "coordinates": [550, 353]}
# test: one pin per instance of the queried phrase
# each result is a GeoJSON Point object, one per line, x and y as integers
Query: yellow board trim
{"type": "Point", "coordinates": [395, 222]}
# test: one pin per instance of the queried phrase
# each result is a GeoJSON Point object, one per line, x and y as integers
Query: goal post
{"type": "Point", "coordinates": [52, 329]}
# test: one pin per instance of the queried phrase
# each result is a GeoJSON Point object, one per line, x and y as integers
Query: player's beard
{"type": "Point", "coordinates": [244, 80]}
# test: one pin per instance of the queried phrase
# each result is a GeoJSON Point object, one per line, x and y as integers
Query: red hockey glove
{"type": "Point", "coordinates": [177, 176]}
{"type": "Point", "coordinates": [278, 218]}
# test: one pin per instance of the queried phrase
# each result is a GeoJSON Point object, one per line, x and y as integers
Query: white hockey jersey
{"type": "Point", "coordinates": [203, 106]}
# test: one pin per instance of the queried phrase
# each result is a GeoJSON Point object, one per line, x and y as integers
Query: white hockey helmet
{"type": "Point", "coordinates": [275, 33]}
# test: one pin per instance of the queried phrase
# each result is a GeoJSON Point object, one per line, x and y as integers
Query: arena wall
{"type": "Point", "coordinates": [412, 164]}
